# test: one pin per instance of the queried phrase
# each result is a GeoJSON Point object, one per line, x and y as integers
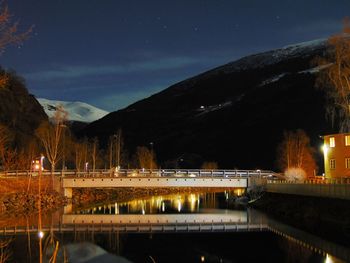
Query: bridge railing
{"type": "Point", "coordinates": [340, 180]}
{"type": "Point", "coordinates": [173, 173]}
{"type": "Point", "coordinates": [146, 173]}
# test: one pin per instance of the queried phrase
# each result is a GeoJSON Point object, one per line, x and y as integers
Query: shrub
{"type": "Point", "coordinates": [295, 174]}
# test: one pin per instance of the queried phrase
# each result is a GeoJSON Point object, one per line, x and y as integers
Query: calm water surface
{"type": "Point", "coordinates": [177, 228]}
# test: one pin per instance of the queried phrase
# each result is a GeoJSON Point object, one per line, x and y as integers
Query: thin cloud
{"type": "Point", "coordinates": [114, 102]}
{"type": "Point", "coordinates": [71, 72]}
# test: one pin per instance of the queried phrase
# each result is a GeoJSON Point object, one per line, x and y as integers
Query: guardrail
{"type": "Point", "coordinates": [146, 172]}
{"type": "Point", "coordinates": [140, 228]}
{"type": "Point", "coordinates": [340, 180]}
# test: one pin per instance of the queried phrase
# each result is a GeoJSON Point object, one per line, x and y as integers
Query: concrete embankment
{"type": "Point", "coordinates": [325, 217]}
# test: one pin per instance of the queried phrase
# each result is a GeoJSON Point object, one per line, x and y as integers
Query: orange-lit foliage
{"type": "Point", "coordinates": [210, 165]}
{"type": "Point", "coordinates": [146, 158]}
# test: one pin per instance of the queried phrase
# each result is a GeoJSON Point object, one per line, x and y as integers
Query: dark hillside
{"type": "Point", "coordinates": [234, 114]}
{"type": "Point", "coordinates": [19, 110]}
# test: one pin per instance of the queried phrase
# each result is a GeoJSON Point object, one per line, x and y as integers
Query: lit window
{"type": "Point", "coordinates": [331, 142]}
{"type": "Point", "coordinates": [347, 140]}
{"type": "Point", "coordinates": [347, 163]}
{"type": "Point", "coordinates": [332, 163]}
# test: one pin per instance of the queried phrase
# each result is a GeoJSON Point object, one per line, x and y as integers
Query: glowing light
{"type": "Point", "coordinates": [116, 208]}
{"type": "Point", "coordinates": [325, 149]}
{"type": "Point", "coordinates": [40, 234]}
{"type": "Point", "coordinates": [202, 258]}
{"type": "Point", "coordinates": [179, 205]}
{"type": "Point", "coordinates": [238, 191]}
{"type": "Point", "coordinates": [329, 259]}
{"type": "Point", "coordinates": [192, 200]}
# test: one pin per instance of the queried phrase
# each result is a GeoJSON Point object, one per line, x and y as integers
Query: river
{"type": "Point", "coordinates": [208, 227]}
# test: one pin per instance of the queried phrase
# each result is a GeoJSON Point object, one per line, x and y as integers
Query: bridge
{"type": "Point", "coordinates": [218, 221]}
{"type": "Point", "coordinates": [215, 220]}
{"type": "Point", "coordinates": [67, 180]}
{"type": "Point", "coordinates": [162, 178]}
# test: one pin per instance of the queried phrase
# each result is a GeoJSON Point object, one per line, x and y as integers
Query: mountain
{"type": "Point", "coordinates": [234, 114]}
{"type": "Point", "coordinates": [77, 111]}
{"type": "Point", "coordinates": [19, 111]}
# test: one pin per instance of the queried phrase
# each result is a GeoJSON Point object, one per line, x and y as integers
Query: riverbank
{"type": "Point", "coordinates": [325, 217]}
{"type": "Point", "coordinates": [20, 196]}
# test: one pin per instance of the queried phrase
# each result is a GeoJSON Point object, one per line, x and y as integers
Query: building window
{"type": "Point", "coordinates": [331, 163]}
{"type": "Point", "coordinates": [347, 163]}
{"type": "Point", "coordinates": [347, 140]}
{"type": "Point", "coordinates": [331, 142]}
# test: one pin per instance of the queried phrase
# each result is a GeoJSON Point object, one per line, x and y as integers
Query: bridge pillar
{"type": "Point", "coordinates": [68, 192]}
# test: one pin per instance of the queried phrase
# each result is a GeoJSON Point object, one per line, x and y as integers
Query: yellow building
{"type": "Point", "coordinates": [336, 150]}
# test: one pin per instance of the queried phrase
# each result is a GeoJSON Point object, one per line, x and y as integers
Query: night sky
{"type": "Point", "coordinates": [110, 53]}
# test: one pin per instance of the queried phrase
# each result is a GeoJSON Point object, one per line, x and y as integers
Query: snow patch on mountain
{"type": "Point", "coordinates": [274, 56]}
{"type": "Point", "coordinates": [316, 69]}
{"type": "Point", "coordinates": [273, 79]}
{"type": "Point", "coordinates": [308, 44]}
{"type": "Point", "coordinates": [77, 111]}
{"type": "Point", "coordinates": [206, 109]}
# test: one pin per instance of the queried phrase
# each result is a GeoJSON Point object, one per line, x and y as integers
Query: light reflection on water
{"type": "Point", "coordinates": [175, 203]}
{"type": "Point", "coordinates": [277, 245]}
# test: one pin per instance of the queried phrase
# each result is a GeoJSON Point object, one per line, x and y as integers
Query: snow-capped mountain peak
{"type": "Point", "coordinates": [77, 111]}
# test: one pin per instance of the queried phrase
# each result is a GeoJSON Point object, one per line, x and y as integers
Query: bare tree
{"type": "Point", "coordinates": [9, 32]}
{"type": "Point", "coordinates": [4, 139]}
{"type": "Point", "coordinates": [9, 159]}
{"type": "Point", "coordinates": [85, 152]}
{"type": "Point", "coordinates": [334, 77]}
{"type": "Point", "coordinates": [118, 147]}
{"type": "Point", "coordinates": [9, 35]}
{"type": "Point", "coordinates": [94, 153]}
{"type": "Point", "coordinates": [79, 155]}
{"type": "Point", "coordinates": [5, 251]}
{"type": "Point", "coordinates": [295, 152]}
{"type": "Point", "coordinates": [146, 158]}
{"type": "Point", "coordinates": [51, 137]}
{"type": "Point", "coordinates": [110, 151]}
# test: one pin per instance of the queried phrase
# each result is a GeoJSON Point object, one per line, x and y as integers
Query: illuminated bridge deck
{"type": "Point", "coordinates": [162, 178]}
